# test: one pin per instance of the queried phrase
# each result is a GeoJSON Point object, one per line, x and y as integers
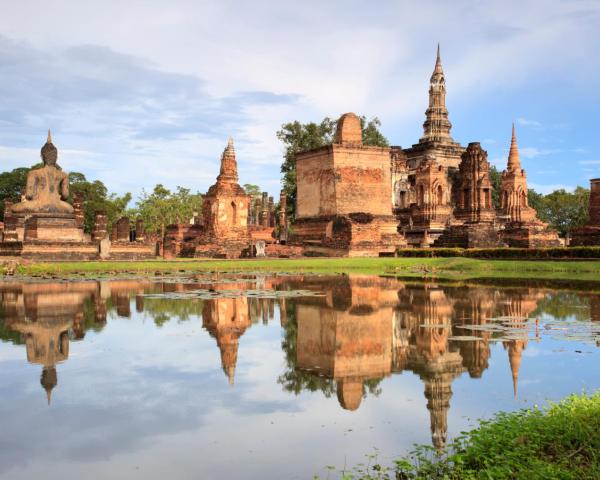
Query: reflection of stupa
{"type": "Point", "coordinates": [347, 338]}
{"type": "Point", "coordinates": [516, 307]}
{"type": "Point", "coordinates": [43, 315]}
{"type": "Point", "coordinates": [226, 319]}
{"type": "Point", "coordinates": [474, 306]}
{"type": "Point", "coordinates": [423, 325]}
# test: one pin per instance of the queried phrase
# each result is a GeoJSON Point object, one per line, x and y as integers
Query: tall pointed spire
{"type": "Point", "coordinates": [437, 126]}
{"type": "Point", "coordinates": [49, 139]}
{"type": "Point", "coordinates": [514, 162]}
{"type": "Point", "coordinates": [438, 62]}
{"type": "Point", "coordinates": [228, 171]}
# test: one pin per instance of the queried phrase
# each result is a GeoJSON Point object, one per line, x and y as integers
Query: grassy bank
{"type": "Point", "coordinates": [442, 268]}
{"type": "Point", "coordinates": [561, 441]}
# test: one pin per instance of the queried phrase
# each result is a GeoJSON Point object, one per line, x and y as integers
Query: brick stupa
{"type": "Point", "coordinates": [225, 211]}
{"type": "Point", "coordinates": [475, 216]}
{"type": "Point", "coordinates": [523, 228]}
{"type": "Point", "coordinates": [343, 202]}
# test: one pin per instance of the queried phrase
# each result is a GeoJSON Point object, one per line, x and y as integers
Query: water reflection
{"type": "Point", "coordinates": [343, 343]}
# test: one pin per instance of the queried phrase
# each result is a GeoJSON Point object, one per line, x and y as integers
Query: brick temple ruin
{"type": "Point", "coordinates": [366, 201]}
{"type": "Point", "coordinates": [352, 200]}
{"type": "Point", "coordinates": [233, 224]}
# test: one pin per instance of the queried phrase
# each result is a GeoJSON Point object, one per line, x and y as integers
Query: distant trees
{"type": "Point", "coordinates": [96, 198]}
{"type": "Point", "coordinates": [298, 137]}
{"type": "Point", "coordinates": [563, 210]}
{"type": "Point", "coordinates": [163, 207]}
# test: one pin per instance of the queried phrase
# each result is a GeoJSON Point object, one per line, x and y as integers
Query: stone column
{"type": "Point", "coordinates": [264, 212]}
{"type": "Point", "coordinates": [271, 209]}
{"type": "Point", "coordinates": [122, 230]}
{"type": "Point", "coordinates": [282, 217]}
{"type": "Point", "coordinates": [140, 233]}
{"type": "Point", "coordinates": [78, 209]}
{"type": "Point", "coordinates": [10, 223]}
{"type": "Point", "coordinates": [100, 225]}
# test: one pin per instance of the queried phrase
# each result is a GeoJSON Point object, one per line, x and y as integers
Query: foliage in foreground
{"type": "Point", "coordinates": [560, 441]}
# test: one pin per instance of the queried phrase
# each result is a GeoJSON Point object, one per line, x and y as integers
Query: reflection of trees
{"type": "Point", "coordinates": [562, 305]}
{"type": "Point", "coordinates": [161, 310]}
{"type": "Point", "coordinates": [294, 380]}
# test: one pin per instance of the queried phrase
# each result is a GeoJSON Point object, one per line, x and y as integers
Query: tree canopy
{"type": "Point", "coordinates": [163, 207]}
{"type": "Point", "coordinates": [563, 210]}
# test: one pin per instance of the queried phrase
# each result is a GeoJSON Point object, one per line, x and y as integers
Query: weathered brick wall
{"type": "Point", "coordinates": [594, 202]}
{"type": "Point", "coordinates": [338, 180]}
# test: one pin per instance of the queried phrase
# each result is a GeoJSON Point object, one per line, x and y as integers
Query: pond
{"type": "Point", "coordinates": [270, 376]}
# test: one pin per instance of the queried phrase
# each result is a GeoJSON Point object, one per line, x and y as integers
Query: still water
{"type": "Point", "coordinates": [219, 377]}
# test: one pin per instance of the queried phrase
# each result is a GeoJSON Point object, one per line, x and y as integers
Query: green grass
{"type": "Point", "coordinates": [441, 268]}
{"type": "Point", "coordinates": [560, 441]}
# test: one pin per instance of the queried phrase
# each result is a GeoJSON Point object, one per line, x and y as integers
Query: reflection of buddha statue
{"type": "Point", "coordinates": [47, 187]}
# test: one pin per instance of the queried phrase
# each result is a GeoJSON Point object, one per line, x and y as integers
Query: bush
{"type": "Point", "coordinates": [504, 253]}
{"type": "Point", "coordinates": [559, 441]}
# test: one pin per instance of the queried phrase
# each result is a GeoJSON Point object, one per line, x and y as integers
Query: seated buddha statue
{"type": "Point", "coordinates": [47, 188]}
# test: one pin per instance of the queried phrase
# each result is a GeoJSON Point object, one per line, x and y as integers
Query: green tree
{"type": "Point", "coordinates": [163, 207]}
{"type": "Point", "coordinates": [496, 180]}
{"type": "Point", "coordinates": [12, 185]}
{"type": "Point", "coordinates": [535, 200]}
{"type": "Point", "coordinates": [564, 210]}
{"type": "Point", "coordinates": [96, 198]}
{"type": "Point", "coordinates": [298, 137]}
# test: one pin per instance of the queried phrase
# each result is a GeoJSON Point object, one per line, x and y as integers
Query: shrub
{"type": "Point", "coordinates": [504, 253]}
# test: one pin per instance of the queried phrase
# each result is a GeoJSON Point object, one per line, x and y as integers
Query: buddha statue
{"type": "Point", "coordinates": [47, 187]}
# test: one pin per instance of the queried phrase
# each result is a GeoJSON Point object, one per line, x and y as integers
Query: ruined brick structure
{"type": "Point", "coordinates": [589, 234]}
{"type": "Point", "coordinates": [432, 210]}
{"type": "Point", "coordinates": [343, 201]}
{"type": "Point", "coordinates": [436, 141]}
{"type": "Point", "coordinates": [474, 223]}
{"type": "Point", "coordinates": [225, 211]}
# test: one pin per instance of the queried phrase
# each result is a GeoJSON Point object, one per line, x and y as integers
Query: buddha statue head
{"type": "Point", "coordinates": [49, 152]}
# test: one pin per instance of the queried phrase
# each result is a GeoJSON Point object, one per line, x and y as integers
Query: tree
{"type": "Point", "coordinates": [163, 207]}
{"type": "Point", "coordinates": [12, 184]}
{"type": "Point", "coordinates": [298, 137]}
{"type": "Point", "coordinates": [496, 180]}
{"type": "Point", "coordinates": [564, 210]}
{"type": "Point", "coordinates": [96, 198]}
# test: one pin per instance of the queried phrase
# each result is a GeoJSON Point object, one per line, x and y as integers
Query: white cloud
{"type": "Point", "coordinates": [171, 72]}
{"type": "Point", "coordinates": [589, 162]}
{"type": "Point", "coordinates": [529, 123]}
{"type": "Point", "coordinates": [549, 188]}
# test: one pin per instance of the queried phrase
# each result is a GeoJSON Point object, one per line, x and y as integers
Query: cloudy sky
{"type": "Point", "coordinates": [148, 91]}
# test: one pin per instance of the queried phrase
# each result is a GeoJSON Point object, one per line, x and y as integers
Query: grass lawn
{"type": "Point", "coordinates": [454, 268]}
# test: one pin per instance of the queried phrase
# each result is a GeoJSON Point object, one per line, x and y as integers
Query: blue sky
{"type": "Point", "coordinates": [144, 91]}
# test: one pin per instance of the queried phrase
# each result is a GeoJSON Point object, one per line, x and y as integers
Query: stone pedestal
{"type": "Point", "coordinates": [52, 229]}
{"type": "Point", "coordinates": [520, 235]}
{"type": "Point", "coordinates": [475, 235]}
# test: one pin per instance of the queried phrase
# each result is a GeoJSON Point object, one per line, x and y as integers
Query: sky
{"type": "Point", "coordinates": [146, 91]}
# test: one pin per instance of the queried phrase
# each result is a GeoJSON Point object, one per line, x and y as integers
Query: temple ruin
{"type": "Point", "coordinates": [343, 202]}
